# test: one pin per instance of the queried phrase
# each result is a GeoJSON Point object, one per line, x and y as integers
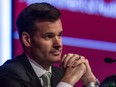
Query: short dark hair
{"type": "Point", "coordinates": [33, 13]}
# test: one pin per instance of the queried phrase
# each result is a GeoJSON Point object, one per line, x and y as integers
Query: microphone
{"type": "Point", "coordinates": [109, 60]}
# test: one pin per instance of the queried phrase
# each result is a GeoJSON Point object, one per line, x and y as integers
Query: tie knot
{"type": "Point", "coordinates": [46, 79]}
{"type": "Point", "coordinates": [47, 74]}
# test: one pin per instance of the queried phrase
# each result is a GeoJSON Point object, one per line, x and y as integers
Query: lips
{"type": "Point", "coordinates": [56, 53]}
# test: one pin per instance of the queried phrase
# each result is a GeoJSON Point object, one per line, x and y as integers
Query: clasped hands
{"type": "Point", "coordinates": [76, 68]}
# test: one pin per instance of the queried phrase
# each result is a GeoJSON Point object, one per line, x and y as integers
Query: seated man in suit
{"type": "Point", "coordinates": [40, 32]}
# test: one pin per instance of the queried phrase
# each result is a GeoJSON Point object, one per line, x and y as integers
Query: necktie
{"type": "Point", "coordinates": [46, 79]}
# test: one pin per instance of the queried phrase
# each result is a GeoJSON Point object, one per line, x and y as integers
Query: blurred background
{"type": "Point", "coordinates": [89, 30]}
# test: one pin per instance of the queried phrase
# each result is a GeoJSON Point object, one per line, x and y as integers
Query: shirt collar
{"type": "Point", "coordinates": [39, 70]}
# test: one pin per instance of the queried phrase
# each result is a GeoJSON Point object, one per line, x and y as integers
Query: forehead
{"type": "Point", "coordinates": [47, 26]}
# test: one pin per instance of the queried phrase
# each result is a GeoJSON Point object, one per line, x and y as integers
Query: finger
{"type": "Point", "coordinates": [79, 61]}
{"type": "Point", "coordinates": [87, 65]}
{"type": "Point", "coordinates": [73, 59]}
{"type": "Point", "coordinates": [66, 59]}
{"type": "Point", "coordinates": [63, 57]}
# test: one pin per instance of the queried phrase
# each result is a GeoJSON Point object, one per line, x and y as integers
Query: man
{"type": "Point", "coordinates": [40, 32]}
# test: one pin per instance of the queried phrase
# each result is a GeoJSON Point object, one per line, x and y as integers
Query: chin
{"type": "Point", "coordinates": [55, 60]}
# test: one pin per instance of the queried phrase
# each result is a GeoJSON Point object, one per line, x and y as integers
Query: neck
{"type": "Point", "coordinates": [45, 65]}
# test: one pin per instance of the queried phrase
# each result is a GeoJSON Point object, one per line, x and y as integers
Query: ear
{"type": "Point", "coordinates": [26, 39]}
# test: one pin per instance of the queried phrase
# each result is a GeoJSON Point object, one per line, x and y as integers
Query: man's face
{"type": "Point", "coordinates": [46, 44]}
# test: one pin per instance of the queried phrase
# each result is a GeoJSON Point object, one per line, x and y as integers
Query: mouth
{"type": "Point", "coordinates": [56, 53]}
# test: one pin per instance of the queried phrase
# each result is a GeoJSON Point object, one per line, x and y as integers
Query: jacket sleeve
{"type": "Point", "coordinates": [8, 82]}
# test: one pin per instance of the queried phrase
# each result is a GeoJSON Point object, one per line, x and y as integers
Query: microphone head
{"type": "Point", "coordinates": [109, 60]}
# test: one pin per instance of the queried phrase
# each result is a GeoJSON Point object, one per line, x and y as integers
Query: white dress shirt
{"type": "Point", "coordinates": [39, 70]}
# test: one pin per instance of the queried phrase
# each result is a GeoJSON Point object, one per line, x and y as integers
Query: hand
{"type": "Point", "coordinates": [88, 75]}
{"type": "Point", "coordinates": [74, 68]}
{"type": "Point", "coordinates": [74, 60]}
{"type": "Point", "coordinates": [71, 60]}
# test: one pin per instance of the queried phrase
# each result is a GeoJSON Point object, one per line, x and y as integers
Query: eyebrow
{"type": "Point", "coordinates": [52, 33]}
{"type": "Point", "coordinates": [47, 33]}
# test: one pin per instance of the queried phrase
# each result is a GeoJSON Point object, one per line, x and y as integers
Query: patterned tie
{"type": "Point", "coordinates": [46, 79]}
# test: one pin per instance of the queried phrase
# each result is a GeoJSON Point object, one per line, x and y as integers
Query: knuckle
{"type": "Point", "coordinates": [87, 60]}
{"type": "Point", "coordinates": [82, 57]}
{"type": "Point", "coordinates": [69, 55]}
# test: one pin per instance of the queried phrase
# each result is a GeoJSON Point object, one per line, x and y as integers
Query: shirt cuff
{"type": "Point", "coordinates": [92, 84]}
{"type": "Point", "coordinates": [64, 84]}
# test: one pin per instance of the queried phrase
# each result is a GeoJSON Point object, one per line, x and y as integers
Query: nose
{"type": "Point", "coordinates": [57, 43]}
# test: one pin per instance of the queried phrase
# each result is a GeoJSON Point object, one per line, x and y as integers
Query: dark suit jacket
{"type": "Point", "coordinates": [18, 72]}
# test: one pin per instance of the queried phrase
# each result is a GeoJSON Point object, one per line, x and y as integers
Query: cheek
{"type": "Point", "coordinates": [42, 45]}
{"type": "Point", "coordinates": [45, 46]}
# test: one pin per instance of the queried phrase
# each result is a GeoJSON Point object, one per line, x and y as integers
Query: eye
{"type": "Point", "coordinates": [48, 36]}
{"type": "Point", "coordinates": [60, 34]}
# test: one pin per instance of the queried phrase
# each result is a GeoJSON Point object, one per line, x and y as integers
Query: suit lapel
{"type": "Point", "coordinates": [56, 76]}
{"type": "Point", "coordinates": [35, 82]}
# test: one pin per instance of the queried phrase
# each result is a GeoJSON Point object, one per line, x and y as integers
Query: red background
{"type": "Point", "coordinates": [82, 25]}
